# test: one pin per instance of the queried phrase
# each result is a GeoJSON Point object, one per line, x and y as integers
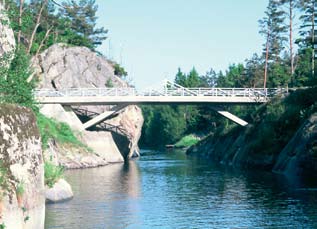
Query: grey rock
{"type": "Point", "coordinates": [20, 149]}
{"type": "Point", "coordinates": [60, 192]}
{"type": "Point", "coordinates": [62, 67]}
{"type": "Point", "coordinates": [7, 41]}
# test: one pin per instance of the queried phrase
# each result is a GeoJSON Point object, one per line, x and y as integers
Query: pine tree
{"type": "Point", "coordinates": [290, 7]}
{"type": "Point", "coordinates": [308, 30]}
{"type": "Point", "coordinates": [273, 28]}
{"type": "Point", "coordinates": [81, 18]}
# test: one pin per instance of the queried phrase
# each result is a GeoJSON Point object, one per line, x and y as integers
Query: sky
{"type": "Point", "coordinates": [152, 38]}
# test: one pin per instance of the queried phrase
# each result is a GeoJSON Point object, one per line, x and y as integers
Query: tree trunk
{"type": "Point", "coordinates": [20, 22]}
{"type": "Point", "coordinates": [313, 38]}
{"type": "Point", "coordinates": [291, 5]}
{"type": "Point", "coordinates": [38, 22]}
{"type": "Point", "coordinates": [266, 58]}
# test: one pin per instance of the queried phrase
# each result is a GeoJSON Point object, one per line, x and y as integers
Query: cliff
{"type": "Point", "coordinates": [7, 41]}
{"type": "Point", "coordinates": [62, 67]}
{"type": "Point", "coordinates": [282, 138]}
{"type": "Point", "coordinates": [22, 203]}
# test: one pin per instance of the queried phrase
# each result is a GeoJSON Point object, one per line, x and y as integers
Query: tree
{"type": "Point", "coordinates": [273, 28]}
{"type": "Point", "coordinates": [307, 30]}
{"type": "Point", "coordinates": [254, 71]}
{"type": "Point", "coordinates": [81, 19]}
{"type": "Point", "coordinates": [180, 78]}
{"type": "Point", "coordinates": [210, 79]}
{"type": "Point", "coordinates": [289, 12]}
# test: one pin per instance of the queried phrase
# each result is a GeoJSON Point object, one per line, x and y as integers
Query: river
{"type": "Point", "coordinates": [167, 190]}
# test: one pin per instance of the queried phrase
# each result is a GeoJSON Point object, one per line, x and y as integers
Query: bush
{"type": "Point", "coordinates": [187, 141]}
{"type": "Point", "coordinates": [52, 173]}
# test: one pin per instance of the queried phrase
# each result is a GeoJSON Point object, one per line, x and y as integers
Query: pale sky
{"type": "Point", "coordinates": [152, 38]}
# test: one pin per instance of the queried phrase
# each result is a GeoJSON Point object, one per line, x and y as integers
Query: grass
{"type": "Point", "coordinates": [61, 132]}
{"type": "Point", "coordinates": [187, 141]}
{"type": "Point", "coordinates": [52, 173]}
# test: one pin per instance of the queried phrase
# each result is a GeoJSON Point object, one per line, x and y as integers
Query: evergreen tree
{"type": "Point", "coordinates": [308, 29]}
{"type": "Point", "coordinates": [81, 18]}
{"type": "Point", "coordinates": [273, 28]}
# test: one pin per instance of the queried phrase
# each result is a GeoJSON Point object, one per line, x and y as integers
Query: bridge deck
{"type": "Point", "coordinates": [110, 100]}
{"type": "Point", "coordinates": [171, 93]}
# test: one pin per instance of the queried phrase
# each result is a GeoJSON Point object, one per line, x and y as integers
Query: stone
{"type": "Point", "coordinates": [60, 67]}
{"type": "Point", "coordinates": [21, 154]}
{"type": "Point", "coordinates": [7, 41]}
{"type": "Point", "coordinates": [60, 192]}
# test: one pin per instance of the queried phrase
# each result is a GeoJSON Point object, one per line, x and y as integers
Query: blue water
{"type": "Point", "coordinates": [167, 190]}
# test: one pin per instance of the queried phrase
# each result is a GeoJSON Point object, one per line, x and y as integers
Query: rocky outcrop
{"type": "Point", "coordinates": [62, 67]}
{"type": "Point", "coordinates": [22, 170]}
{"type": "Point", "coordinates": [131, 120]}
{"type": "Point", "coordinates": [7, 41]}
{"type": "Point", "coordinates": [300, 154]}
{"type": "Point", "coordinates": [282, 138]}
{"type": "Point", "coordinates": [60, 192]}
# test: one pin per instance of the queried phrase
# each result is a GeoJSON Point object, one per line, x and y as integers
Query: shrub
{"type": "Point", "coordinates": [52, 173]}
{"type": "Point", "coordinates": [187, 141]}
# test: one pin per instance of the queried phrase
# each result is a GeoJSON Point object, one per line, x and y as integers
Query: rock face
{"type": "Point", "coordinates": [300, 154]}
{"type": "Point", "coordinates": [7, 41]}
{"type": "Point", "coordinates": [60, 192]}
{"type": "Point", "coordinates": [62, 67]}
{"type": "Point", "coordinates": [22, 169]}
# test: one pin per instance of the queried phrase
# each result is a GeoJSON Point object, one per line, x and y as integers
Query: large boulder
{"type": "Point", "coordinates": [22, 172]}
{"type": "Point", "coordinates": [60, 192]}
{"type": "Point", "coordinates": [7, 41]}
{"type": "Point", "coordinates": [61, 67]}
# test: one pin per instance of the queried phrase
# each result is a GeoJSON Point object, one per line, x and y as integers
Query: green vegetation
{"type": "Point", "coordinates": [52, 173]}
{"type": "Point", "coordinates": [277, 66]}
{"type": "Point", "coordinates": [187, 141]}
{"type": "Point", "coordinates": [51, 129]}
{"type": "Point", "coordinates": [41, 23]}
{"type": "Point", "coordinates": [14, 84]}
{"type": "Point", "coordinates": [20, 189]}
{"type": "Point", "coordinates": [119, 71]}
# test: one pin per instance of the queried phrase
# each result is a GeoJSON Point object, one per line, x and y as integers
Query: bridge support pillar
{"type": "Point", "coordinates": [230, 116]}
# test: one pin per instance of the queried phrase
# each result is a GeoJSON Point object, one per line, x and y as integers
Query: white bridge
{"type": "Point", "coordinates": [170, 93]}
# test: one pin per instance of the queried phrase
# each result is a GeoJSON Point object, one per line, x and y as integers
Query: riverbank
{"type": "Point", "coordinates": [282, 137]}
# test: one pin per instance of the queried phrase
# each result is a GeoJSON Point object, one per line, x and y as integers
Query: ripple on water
{"type": "Point", "coordinates": [169, 191]}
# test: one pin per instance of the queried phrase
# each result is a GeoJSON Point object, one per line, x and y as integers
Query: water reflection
{"type": "Point", "coordinates": [104, 198]}
{"type": "Point", "coordinates": [169, 191]}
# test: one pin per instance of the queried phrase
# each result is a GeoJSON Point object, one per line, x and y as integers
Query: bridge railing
{"type": "Point", "coordinates": [180, 91]}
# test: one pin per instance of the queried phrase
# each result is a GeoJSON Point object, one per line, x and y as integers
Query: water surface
{"type": "Point", "coordinates": [167, 190]}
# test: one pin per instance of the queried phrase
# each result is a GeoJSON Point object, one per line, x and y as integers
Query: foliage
{"type": "Point", "coordinates": [80, 17]}
{"type": "Point", "coordinates": [51, 129]}
{"type": "Point", "coordinates": [187, 141]}
{"type": "Point", "coordinates": [119, 71]}
{"type": "Point", "coordinates": [14, 85]}
{"type": "Point", "coordinates": [52, 173]}
{"type": "Point", "coordinates": [109, 83]}
{"type": "Point", "coordinates": [20, 189]}
{"type": "Point", "coordinates": [42, 25]}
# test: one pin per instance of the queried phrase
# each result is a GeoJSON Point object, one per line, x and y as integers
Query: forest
{"type": "Point", "coordinates": [287, 60]}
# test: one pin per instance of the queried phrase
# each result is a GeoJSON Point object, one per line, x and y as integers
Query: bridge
{"type": "Point", "coordinates": [169, 93]}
